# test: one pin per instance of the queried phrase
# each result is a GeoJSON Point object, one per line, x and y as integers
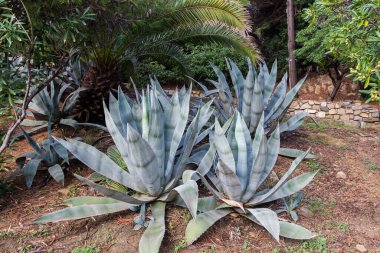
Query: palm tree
{"type": "Point", "coordinates": [136, 30]}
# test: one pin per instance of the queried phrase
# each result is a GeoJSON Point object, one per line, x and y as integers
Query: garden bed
{"type": "Point", "coordinates": [344, 212]}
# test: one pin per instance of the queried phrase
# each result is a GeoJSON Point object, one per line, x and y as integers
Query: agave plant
{"type": "Point", "coordinates": [256, 94]}
{"type": "Point", "coordinates": [47, 105]}
{"type": "Point", "coordinates": [50, 156]}
{"type": "Point", "coordinates": [241, 170]}
{"type": "Point", "coordinates": [155, 144]}
{"type": "Point", "coordinates": [290, 206]}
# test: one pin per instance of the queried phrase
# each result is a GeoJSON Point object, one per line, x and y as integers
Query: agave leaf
{"type": "Point", "coordinates": [222, 82]}
{"type": "Point", "coordinates": [223, 147]}
{"type": "Point", "coordinates": [189, 193]}
{"type": "Point", "coordinates": [268, 219]}
{"type": "Point", "coordinates": [238, 81]}
{"type": "Point", "coordinates": [69, 122]}
{"type": "Point", "coordinates": [101, 163]}
{"type": "Point", "coordinates": [288, 99]}
{"type": "Point", "coordinates": [248, 92]}
{"type": "Point", "coordinates": [57, 173]}
{"type": "Point", "coordinates": [292, 186]}
{"type": "Point", "coordinates": [61, 151]}
{"type": "Point", "coordinates": [33, 123]}
{"type": "Point", "coordinates": [90, 200]}
{"type": "Point", "coordinates": [125, 110]}
{"type": "Point", "coordinates": [150, 241]}
{"type": "Point", "coordinates": [115, 155]}
{"type": "Point", "coordinates": [145, 117]}
{"type": "Point", "coordinates": [293, 153]}
{"type": "Point", "coordinates": [83, 211]}
{"type": "Point", "coordinates": [277, 98]}
{"type": "Point", "coordinates": [203, 222]}
{"type": "Point", "coordinates": [229, 180]}
{"type": "Point", "coordinates": [121, 196]}
{"type": "Point", "coordinates": [30, 170]}
{"type": "Point", "coordinates": [272, 155]}
{"type": "Point", "coordinates": [242, 169]}
{"type": "Point", "coordinates": [204, 204]}
{"type": "Point", "coordinates": [114, 113]}
{"type": "Point", "coordinates": [294, 231]}
{"type": "Point", "coordinates": [143, 163]}
{"type": "Point", "coordinates": [207, 161]}
{"type": "Point", "coordinates": [294, 122]}
{"type": "Point", "coordinates": [281, 182]}
{"type": "Point", "coordinates": [257, 107]}
{"type": "Point", "coordinates": [270, 83]}
{"type": "Point", "coordinates": [34, 145]}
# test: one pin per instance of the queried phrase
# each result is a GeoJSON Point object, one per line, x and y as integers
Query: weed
{"type": "Point", "coordinates": [317, 245]}
{"type": "Point", "coordinates": [369, 165]}
{"type": "Point", "coordinates": [43, 231]}
{"type": "Point", "coordinates": [343, 147]}
{"type": "Point", "coordinates": [320, 207]}
{"type": "Point", "coordinates": [26, 248]}
{"type": "Point", "coordinates": [87, 249]}
{"type": "Point", "coordinates": [180, 246]}
{"type": "Point", "coordinates": [343, 227]}
{"type": "Point", "coordinates": [186, 216]}
{"type": "Point", "coordinates": [170, 226]}
{"type": "Point", "coordinates": [245, 247]}
{"type": "Point", "coordinates": [10, 234]}
{"type": "Point", "coordinates": [73, 191]}
{"type": "Point", "coordinates": [212, 249]}
{"type": "Point", "coordinates": [314, 165]}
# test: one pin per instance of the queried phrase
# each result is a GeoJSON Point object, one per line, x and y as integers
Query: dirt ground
{"type": "Point", "coordinates": [343, 212]}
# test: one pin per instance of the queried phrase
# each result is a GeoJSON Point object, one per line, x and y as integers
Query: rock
{"type": "Point", "coordinates": [315, 107]}
{"type": "Point", "coordinates": [364, 115]}
{"type": "Point", "coordinates": [323, 103]}
{"type": "Point", "coordinates": [273, 177]}
{"type": "Point", "coordinates": [341, 111]}
{"type": "Point", "coordinates": [324, 109]}
{"type": "Point", "coordinates": [345, 117]}
{"type": "Point", "coordinates": [341, 175]}
{"type": "Point", "coordinates": [305, 106]}
{"type": "Point", "coordinates": [337, 106]}
{"type": "Point", "coordinates": [332, 111]}
{"type": "Point", "coordinates": [311, 111]}
{"type": "Point", "coordinates": [330, 106]}
{"type": "Point", "coordinates": [349, 111]}
{"type": "Point", "coordinates": [317, 90]}
{"type": "Point", "coordinates": [357, 112]}
{"type": "Point", "coordinates": [336, 116]}
{"type": "Point", "coordinates": [303, 211]}
{"type": "Point", "coordinates": [376, 114]}
{"type": "Point", "coordinates": [360, 248]}
{"type": "Point", "coordinates": [321, 115]}
{"type": "Point", "coordinates": [311, 102]}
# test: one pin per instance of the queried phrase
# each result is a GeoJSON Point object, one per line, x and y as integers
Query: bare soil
{"type": "Point", "coordinates": [343, 212]}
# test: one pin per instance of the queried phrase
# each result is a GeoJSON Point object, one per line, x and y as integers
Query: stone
{"type": "Point", "coordinates": [337, 106]}
{"type": "Point", "coordinates": [345, 117]}
{"type": "Point", "coordinates": [323, 103]}
{"type": "Point", "coordinates": [311, 102]}
{"type": "Point", "coordinates": [357, 118]}
{"type": "Point", "coordinates": [321, 115]}
{"type": "Point", "coordinates": [305, 106]}
{"type": "Point", "coordinates": [329, 116]}
{"type": "Point", "coordinates": [324, 109]}
{"type": "Point", "coordinates": [273, 177]}
{"type": "Point", "coordinates": [364, 115]}
{"type": "Point", "coordinates": [330, 106]}
{"type": "Point", "coordinates": [357, 112]}
{"type": "Point", "coordinates": [311, 111]}
{"type": "Point", "coordinates": [349, 111]}
{"type": "Point", "coordinates": [341, 111]}
{"type": "Point", "coordinates": [317, 90]}
{"type": "Point", "coordinates": [315, 107]}
{"type": "Point", "coordinates": [303, 211]}
{"type": "Point", "coordinates": [357, 107]}
{"type": "Point", "coordinates": [317, 102]}
{"type": "Point", "coordinates": [336, 116]}
{"type": "Point", "coordinates": [360, 248]}
{"type": "Point", "coordinates": [341, 175]}
{"type": "Point", "coordinates": [376, 114]}
{"type": "Point", "coordinates": [332, 111]}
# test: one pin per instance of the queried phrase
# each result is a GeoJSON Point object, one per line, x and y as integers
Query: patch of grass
{"type": "Point", "coordinates": [317, 245]}
{"type": "Point", "coordinates": [343, 147]}
{"type": "Point", "coordinates": [43, 231]}
{"type": "Point", "coordinates": [170, 226]}
{"type": "Point", "coordinates": [26, 248]}
{"type": "Point", "coordinates": [73, 191]}
{"type": "Point", "coordinates": [180, 246]}
{"type": "Point", "coordinates": [343, 227]}
{"type": "Point", "coordinates": [87, 249]}
{"type": "Point", "coordinates": [10, 234]}
{"type": "Point", "coordinates": [314, 165]}
{"type": "Point", "coordinates": [319, 139]}
{"type": "Point", "coordinates": [212, 249]}
{"type": "Point", "coordinates": [369, 165]}
{"type": "Point", "coordinates": [320, 207]}
{"type": "Point", "coordinates": [245, 247]}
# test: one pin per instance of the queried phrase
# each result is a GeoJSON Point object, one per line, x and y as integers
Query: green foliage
{"type": "Point", "coordinates": [345, 31]}
{"type": "Point", "coordinates": [290, 205]}
{"type": "Point", "coordinates": [87, 249]}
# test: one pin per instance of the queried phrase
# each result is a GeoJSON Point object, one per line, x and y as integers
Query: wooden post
{"type": "Point", "coordinates": [291, 44]}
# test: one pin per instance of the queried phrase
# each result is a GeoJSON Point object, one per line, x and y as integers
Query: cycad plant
{"type": "Point", "coordinates": [155, 30]}
{"type": "Point", "coordinates": [155, 144]}
{"type": "Point", "coordinates": [256, 95]}
{"type": "Point", "coordinates": [242, 168]}
{"type": "Point", "coordinates": [50, 156]}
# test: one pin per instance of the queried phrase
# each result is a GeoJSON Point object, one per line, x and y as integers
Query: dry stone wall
{"type": "Point", "coordinates": [350, 110]}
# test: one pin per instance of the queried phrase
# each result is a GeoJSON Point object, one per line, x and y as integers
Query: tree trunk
{"type": "Point", "coordinates": [291, 44]}
{"type": "Point", "coordinates": [337, 80]}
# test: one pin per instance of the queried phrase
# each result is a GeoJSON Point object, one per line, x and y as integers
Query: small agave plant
{"type": "Point", "coordinates": [255, 94]}
{"type": "Point", "coordinates": [155, 144]}
{"type": "Point", "coordinates": [241, 170]}
{"type": "Point", "coordinates": [50, 156]}
{"type": "Point", "coordinates": [47, 105]}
